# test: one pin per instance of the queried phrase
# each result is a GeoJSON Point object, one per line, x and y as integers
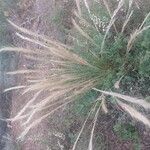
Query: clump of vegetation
{"type": "Point", "coordinates": [109, 43]}
{"type": "Point", "coordinates": [127, 132]}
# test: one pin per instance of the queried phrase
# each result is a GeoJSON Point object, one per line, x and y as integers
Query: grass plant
{"type": "Point", "coordinates": [109, 43]}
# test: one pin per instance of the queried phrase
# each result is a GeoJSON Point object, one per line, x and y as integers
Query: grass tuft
{"type": "Point", "coordinates": [103, 52]}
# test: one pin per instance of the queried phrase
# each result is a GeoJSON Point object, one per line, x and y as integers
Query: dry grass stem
{"type": "Point", "coordinates": [103, 104]}
{"type": "Point", "coordinates": [126, 22]}
{"type": "Point", "coordinates": [137, 32]}
{"type": "Point", "coordinates": [44, 38]}
{"type": "Point", "coordinates": [87, 6]}
{"type": "Point", "coordinates": [15, 88]}
{"type": "Point", "coordinates": [36, 122]}
{"type": "Point", "coordinates": [78, 6]}
{"type": "Point", "coordinates": [111, 22]}
{"type": "Point", "coordinates": [90, 147]}
{"type": "Point", "coordinates": [23, 72]}
{"type": "Point", "coordinates": [109, 12]}
{"type": "Point", "coordinates": [83, 33]}
{"type": "Point", "coordinates": [134, 113]}
{"type": "Point", "coordinates": [139, 102]}
{"type": "Point", "coordinates": [27, 105]}
{"type": "Point", "coordinates": [83, 126]}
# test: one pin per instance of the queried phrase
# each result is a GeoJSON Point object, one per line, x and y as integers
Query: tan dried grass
{"type": "Point", "coordinates": [134, 113]}
{"type": "Point", "coordinates": [137, 32]}
{"type": "Point", "coordinates": [57, 82]}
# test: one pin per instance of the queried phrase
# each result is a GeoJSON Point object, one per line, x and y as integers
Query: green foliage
{"type": "Point", "coordinates": [84, 103]}
{"type": "Point", "coordinates": [58, 20]}
{"type": "Point", "coordinates": [127, 132]}
{"type": "Point", "coordinates": [144, 68]}
{"type": "Point", "coordinates": [112, 62]}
